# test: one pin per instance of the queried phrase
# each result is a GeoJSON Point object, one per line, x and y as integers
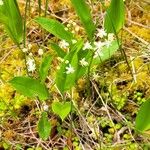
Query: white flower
{"type": "Point", "coordinates": [107, 43]}
{"type": "Point", "coordinates": [98, 45]}
{"type": "Point", "coordinates": [63, 44]}
{"type": "Point", "coordinates": [30, 54]}
{"type": "Point", "coordinates": [25, 50]}
{"type": "Point", "coordinates": [31, 64]}
{"type": "Point", "coordinates": [29, 46]}
{"type": "Point", "coordinates": [77, 28]}
{"type": "Point", "coordinates": [1, 2]}
{"type": "Point", "coordinates": [40, 52]}
{"type": "Point", "coordinates": [68, 25]}
{"type": "Point", "coordinates": [74, 23]}
{"type": "Point", "coordinates": [69, 69]}
{"type": "Point", "coordinates": [101, 33]}
{"type": "Point", "coordinates": [70, 22]}
{"type": "Point", "coordinates": [110, 37]}
{"type": "Point", "coordinates": [45, 107]}
{"type": "Point", "coordinates": [66, 29]}
{"type": "Point", "coordinates": [66, 61]}
{"type": "Point", "coordinates": [74, 41]}
{"type": "Point", "coordinates": [83, 62]}
{"type": "Point", "coordinates": [87, 45]}
{"type": "Point", "coordinates": [95, 76]}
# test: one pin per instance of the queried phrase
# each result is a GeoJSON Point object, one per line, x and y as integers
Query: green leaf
{"type": "Point", "coordinates": [44, 67]}
{"type": "Point", "coordinates": [30, 87]}
{"type": "Point", "coordinates": [83, 11]}
{"type": "Point", "coordinates": [44, 126]}
{"type": "Point", "coordinates": [11, 18]}
{"type": "Point", "coordinates": [55, 27]}
{"type": "Point", "coordinates": [61, 109]}
{"type": "Point", "coordinates": [142, 122]}
{"type": "Point", "coordinates": [58, 50]}
{"type": "Point", "coordinates": [68, 80]}
{"type": "Point", "coordinates": [115, 16]}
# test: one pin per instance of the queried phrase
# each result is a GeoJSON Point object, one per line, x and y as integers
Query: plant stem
{"type": "Point", "coordinates": [25, 59]}
{"type": "Point", "coordinates": [88, 75]}
{"type": "Point", "coordinates": [25, 20]}
{"type": "Point", "coordinates": [29, 6]}
{"type": "Point", "coordinates": [46, 7]}
{"type": "Point", "coordinates": [39, 3]}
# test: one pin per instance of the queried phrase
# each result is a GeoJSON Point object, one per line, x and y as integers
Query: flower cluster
{"type": "Point", "coordinates": [104, 40]}
{"type": "Point", "coordinates": [30, 64]}
{"type": "Point", "coordinates": [45, 107]}
{"type": "Point", "coordinates": [40, 52]}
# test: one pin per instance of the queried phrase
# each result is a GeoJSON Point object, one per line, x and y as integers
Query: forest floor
{"type": "Point", "coordinates": [102, 121]}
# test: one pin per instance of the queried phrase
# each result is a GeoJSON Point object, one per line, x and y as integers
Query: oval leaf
{"type": "Point", "coordinates": [55, 27]}
{"type": "Point", "coordinates": [83, 11]}
{"type": "Point", "coordinates": [44, 67]}
{"type": "Point", "coordinates": [44, 126]}
{"type": "Point", "coordinates": [142, 122]}
{"type": "Point", "coordinates": [30, 87]}
{"type": "Point", "coordinates": [115, 16]}
{"type": "Point", "coordinates": [61, 109]}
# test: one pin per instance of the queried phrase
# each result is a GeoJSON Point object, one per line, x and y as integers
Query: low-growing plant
{"type": "Point", "coordinates": [78, 56]}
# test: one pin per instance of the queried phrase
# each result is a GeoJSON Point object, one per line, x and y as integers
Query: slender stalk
{"type": "Point", "coordinates": [71, 115]}
{"type": "Point", "coordinates": [25, 59]}
{"type": "Point", "coordinates": [88, 75]}
{"type": "Point", "coordinates": [89, 68]}
{"type": "Point", "coordinates": [25, 20]}
{"type": "Point", "coordinates": [39, 3]}
{"type": "Point", "coordinates": [46, 7]}
{"type": "Point", "coordinates": [29, 6]}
